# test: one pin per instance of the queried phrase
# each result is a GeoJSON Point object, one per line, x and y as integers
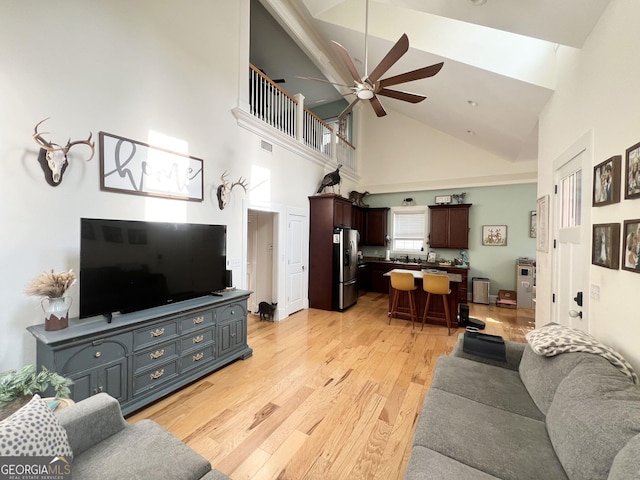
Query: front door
{"type": "Point", "coordinates": [572, 238]}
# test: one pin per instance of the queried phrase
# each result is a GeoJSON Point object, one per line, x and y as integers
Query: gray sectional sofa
{"type": "Point", "coordinates": [570, 416]}
{"type": "Point", "coordinates": [105, 446]}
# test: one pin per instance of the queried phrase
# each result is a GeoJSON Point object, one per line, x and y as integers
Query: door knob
{"type": "Point", "coordinates": [574, 314]}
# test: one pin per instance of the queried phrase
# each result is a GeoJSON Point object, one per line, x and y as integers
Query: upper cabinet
{"type": "Point", "coordinates": [371, 223]}
{"type": "Point", "coordinates": [449, 226]}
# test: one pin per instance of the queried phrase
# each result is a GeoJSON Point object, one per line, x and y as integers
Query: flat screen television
{"type": "Point", "coordinates": [128, 265]}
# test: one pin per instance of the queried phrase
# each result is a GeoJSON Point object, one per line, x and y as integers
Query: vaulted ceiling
{"type": "Point", "coordinates": [500, 58]}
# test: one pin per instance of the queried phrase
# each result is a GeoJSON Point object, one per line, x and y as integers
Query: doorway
{"type": "Point", "coordinates": [571, 231]}
{"type": "Point", "coordinates": [262, 269]}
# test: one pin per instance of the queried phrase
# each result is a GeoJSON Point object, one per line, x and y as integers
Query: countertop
{"type": "Point", "coordinates": [402, 263]}
{"type": "Point", "coordinates": [417, 274]}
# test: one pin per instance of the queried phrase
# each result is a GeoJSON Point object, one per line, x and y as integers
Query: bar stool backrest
{"type": "Point", "coordinates": [403, 281]}
{"type": "Point", "coordinates": [437, 284]}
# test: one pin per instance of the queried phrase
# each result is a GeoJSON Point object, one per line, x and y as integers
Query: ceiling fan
{"type": "Point", "coordinates": [370, 85]}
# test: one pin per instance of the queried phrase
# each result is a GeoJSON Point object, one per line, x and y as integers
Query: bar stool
{"type": "Point", "coordinates": [437, 284]}
{"type": "Point", "coordinates": [403, 282]}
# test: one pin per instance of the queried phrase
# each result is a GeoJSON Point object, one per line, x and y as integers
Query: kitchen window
{"type": "Point", "coordinates": [408, 229]}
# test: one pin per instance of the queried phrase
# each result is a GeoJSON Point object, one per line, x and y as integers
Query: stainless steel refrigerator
{"type": "Point", "coordinates": [345, 268]}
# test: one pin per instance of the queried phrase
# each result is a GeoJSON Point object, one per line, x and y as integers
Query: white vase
{"type": "Point", "coordinates": [56, 312]}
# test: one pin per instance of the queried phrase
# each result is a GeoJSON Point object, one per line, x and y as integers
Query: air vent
{"type": "Point", "coordinates": [266, 146]}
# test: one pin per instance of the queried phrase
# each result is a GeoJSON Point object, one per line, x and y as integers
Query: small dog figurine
{"type": "Point", "coordinates": [267, 310]}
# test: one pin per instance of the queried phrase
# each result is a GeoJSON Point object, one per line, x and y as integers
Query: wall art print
{"type": "Point", "coordinates": [605, 250]}
{"type": "Point", "coordinates": [494, 235]}
{"type": "Point", "coordinates": [632, 169]}
{"type": "Point", "coordinates": [606, 182]}
{"type": "Point", "coordinates": [631, 247]}
{"type": "Point", "coordinates": [542, 224]}
{"type": "Point", "coordinates": [129, 166]}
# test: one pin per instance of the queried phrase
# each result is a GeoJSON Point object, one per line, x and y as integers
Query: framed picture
{"type": "Point", "coordinates": [494, 235]}
{"type": "Point", "coordinates": [631, 247]}
{"type": "Point", "coordinates": [443, 199]}
{"type": "Point", "coordinates": [632, 169]}
{"type": "Point", "coordinates": [533, 227]}
{"type": "Point", "coordinates": [606, 182]}
{"type": "Point", "coordinates": [605, 250]}
{"type": "Point", "coordinates": [431, 257]}
{"type": "Point", "coordinates": [129, 166]}
{"type": "Point", "coordinates": [542, 224]}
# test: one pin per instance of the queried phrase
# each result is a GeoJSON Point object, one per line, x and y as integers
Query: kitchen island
{"type": "Point", "coordinates": [435, 315]}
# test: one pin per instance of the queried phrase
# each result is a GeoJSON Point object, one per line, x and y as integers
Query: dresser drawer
{"type": "Point", "coordinates": [198, 357]}
{"type": "Point", "coordinates": [197, 320]}
{"type": "Point", "coordinates": [156, 355]}
{"type": "Point", "coordinates": [96, 354]}
{"type": "Point", "coordinates": [231, 312]}
{"type": "Point", "coordinates": [156, 333]}
{"type": "Point", "coordinates": [197, 339]}
{"type": "Point", "coordinates": [156, 376]}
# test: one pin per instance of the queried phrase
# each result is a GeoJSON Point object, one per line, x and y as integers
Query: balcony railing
{"type": "Point", "coordinates": [273, 105]}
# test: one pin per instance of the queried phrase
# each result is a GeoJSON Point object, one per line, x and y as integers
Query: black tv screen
{"type": "Point", "coordinates": [128, 265]}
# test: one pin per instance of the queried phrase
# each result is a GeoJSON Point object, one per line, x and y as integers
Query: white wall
{"type": "Point", "coordinates": [400, 154]}
{"type": "Point", "coordinates": [598, 91]}
{"type": "Point", "coordinates": [125, 68]}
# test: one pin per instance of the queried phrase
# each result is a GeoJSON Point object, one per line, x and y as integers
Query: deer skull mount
{"type": "Point", "coordinates": [225, 189]}
{"type": "Point", "coordinates": [53, 158]}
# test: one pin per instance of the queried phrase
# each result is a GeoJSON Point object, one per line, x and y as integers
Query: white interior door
{"type": "Point", "coordinates": [297, 246]}
{"type": "Point", "coordinates": [572, 240]}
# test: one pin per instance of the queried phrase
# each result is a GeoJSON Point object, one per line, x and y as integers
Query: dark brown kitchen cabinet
{"type": "Point", "coordinates": [325, 213]}
{"type": "Point", "coordinates": [449, 226]}
{"type": "Point", "coordinates": [375, 228]}
{"type": "Point", "coordinates": [357, 220]}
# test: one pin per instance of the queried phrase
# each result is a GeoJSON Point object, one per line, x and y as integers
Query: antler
{"type": "Point", "coordinates": [242, 182]}
{"type": "Point", "coordinates": [81, 142]}
{"type": "Point", "coordinates": [37, 137]}
{"type": "Point", "coordinates": [223, 179]}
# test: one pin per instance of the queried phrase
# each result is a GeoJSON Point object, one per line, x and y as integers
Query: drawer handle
{"type": "Point", "coordinates": [233, 334]}
{"type": "Point", "coordinates": [97, 390]}
{"type": "Point", "coordinates": [157, 354]}
{"type": "Point", "coordinates": [198, 357]}
{"type": "Point", "coordinates": [157, 374]}
{"type": "Point", "coordinates": [233, 312]}
{"type": "Point", "coordinates": [157, 332]}
{"type": "Point", "coordinates": [97, 354]}
{"type": "Point", "coordinates": [198, 320]}
{"type": "Point", "coordinates": [198, 339]}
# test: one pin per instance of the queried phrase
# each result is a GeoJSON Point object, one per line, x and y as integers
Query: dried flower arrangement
{"type": "Point", "coordinates": [51, 284]}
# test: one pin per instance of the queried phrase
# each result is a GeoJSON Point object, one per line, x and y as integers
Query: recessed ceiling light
{"type": "Point", "coordinates": [472, 103]}
{"type": "Point", "coordinates": [471, 132]}
{"type": "Point", "coordinates": [477, 2]}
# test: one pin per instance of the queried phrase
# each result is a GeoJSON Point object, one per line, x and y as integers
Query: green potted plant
{"type": "Point", "coordinates": [18, 386]}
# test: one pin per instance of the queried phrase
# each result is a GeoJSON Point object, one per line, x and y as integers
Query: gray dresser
{"type": "Point", "coordinates": [143, 356]}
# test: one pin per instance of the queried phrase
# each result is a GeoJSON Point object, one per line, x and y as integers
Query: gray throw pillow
{"type": "Point", "coordinates": [34, 430]}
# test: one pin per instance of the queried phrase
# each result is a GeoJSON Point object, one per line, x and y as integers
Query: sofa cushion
{"type": "Point", "coordinates": [494, 386]}
{"type": "Point", "coordinates": [33, 430]}
{"type": "Point", "coordinates": [140, 451]}
{"type": "Point", "coordinates": [493, 440]}
{"type": "Point", "coordinates": [594, 413]}
{"type": "Point", "coordinates": [426, 464]}
{"type": "Point", "coordinates": [542, 375]}
{"type": "Point", "coordinates": [626, 465]}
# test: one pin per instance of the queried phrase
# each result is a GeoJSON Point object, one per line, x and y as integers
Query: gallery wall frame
{"type": "Point", "coordinates": [494, 235]}
{"type": "Point", "coordinates": [137, 168]}
{"type": "Point", "coordinates": [542, 224]}
{"type": "Point", "coordinates": [606, 182]}
{"type": "Point", "coordinates": [631, 243]}
{"type": "Point", "coordinates": [632, 172]}
{"type": "Point", "coordinates": [605, 250]}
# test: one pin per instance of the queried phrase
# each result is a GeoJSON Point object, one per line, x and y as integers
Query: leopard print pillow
{"type": "Point", "coordinates": [34, 430]}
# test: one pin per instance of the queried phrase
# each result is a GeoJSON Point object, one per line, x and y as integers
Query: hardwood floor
{"type": "Point", "coordinates": [326, 395]}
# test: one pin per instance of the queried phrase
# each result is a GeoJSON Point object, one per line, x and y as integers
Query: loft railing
{"type": "Point", "coordinates": [273, 105]}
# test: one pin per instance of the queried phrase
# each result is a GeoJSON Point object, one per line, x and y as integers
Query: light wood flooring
{"type": "Point", "coordinates": [326, 395]}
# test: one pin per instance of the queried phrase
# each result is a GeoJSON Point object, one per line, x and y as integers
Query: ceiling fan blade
{"type": "Point", "coordinates": [397, 51]}
{"type": "Point", "coordinates": [324, 81]}
{"type": "Point", "coordinates": [348, 109]}
{"type": "Point", "coordinates": [346, 59]}
{"type": "Point", "coordinates": [399, 95]}
{"type": "Point", "coordinates": [418, 74]}
{"type": "Point", "coordinates": [377, 107]}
